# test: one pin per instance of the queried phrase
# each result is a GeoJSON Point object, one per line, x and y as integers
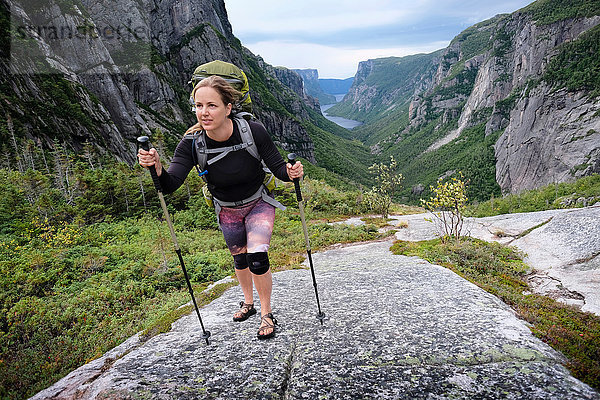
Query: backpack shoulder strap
{"type": "Point", "coordinates": [199, 157]}
{"type": "Point", "coordinates": [246, 134]}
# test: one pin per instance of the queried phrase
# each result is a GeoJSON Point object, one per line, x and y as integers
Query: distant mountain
{"type": "Point", "coordinates": [312, 86]}
{"type": "Point", "coordinates": [323, 89]}
{"type": "Point", "coordinates": [336, 86]}
{"type": "Point", "coordinates": [513, 102]}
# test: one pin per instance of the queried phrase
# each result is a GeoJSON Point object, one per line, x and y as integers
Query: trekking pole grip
{"type": "Point", "coordinates": [144, 142]}
{"type": "Point", "coordinates": [292, 160]}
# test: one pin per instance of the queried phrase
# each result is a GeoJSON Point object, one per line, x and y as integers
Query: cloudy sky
{"type": "Point", "coordinates": [334, 35]}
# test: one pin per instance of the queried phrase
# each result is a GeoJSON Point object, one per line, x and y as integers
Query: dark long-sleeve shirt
{"type": "Point", "coordinates": [235, 177]}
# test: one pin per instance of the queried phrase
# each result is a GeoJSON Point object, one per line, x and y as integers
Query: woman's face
{"type": "Point", "coordinates": [210, 109]}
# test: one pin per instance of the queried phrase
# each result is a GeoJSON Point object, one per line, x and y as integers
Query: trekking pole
{"type": "Point", "coordinates": [292, 160]}
{"type": "Point", "coordinates": [144, 143]}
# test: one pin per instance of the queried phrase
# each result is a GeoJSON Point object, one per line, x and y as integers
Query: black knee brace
{"type": "Point", "coordinates": [258, 263]}
{"type": "Point", "coordinates": [240, 261]}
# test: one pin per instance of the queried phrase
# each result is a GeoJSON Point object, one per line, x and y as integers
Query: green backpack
{"type": "Point", "coordinates": [232, 74]}
{"type": "Point", "coordinates": [242, 113]}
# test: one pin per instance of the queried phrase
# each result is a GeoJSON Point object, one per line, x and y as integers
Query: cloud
{"type": "Point", "coordinates": [307, 17]}
{"type": "Point", "coordinates": [333, 62]}
{"type": "Point", "coordinates": [334, 35]}
{"type": "Point", "coordinates": [322, 24]}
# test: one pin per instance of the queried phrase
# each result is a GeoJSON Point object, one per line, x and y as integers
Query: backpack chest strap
{"type": "Point", "coordinates": [200, 151]}
{"type": "Point", "coordinates": [222, 151]}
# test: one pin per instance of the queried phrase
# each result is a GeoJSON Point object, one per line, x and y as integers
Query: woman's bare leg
{"type": "Point", "coordinates": [244, 277]}
{"type": "Point", "coordinates": [264, 287]}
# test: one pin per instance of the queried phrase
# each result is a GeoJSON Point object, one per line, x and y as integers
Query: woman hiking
{"type": "Point", "coordinates": [248, 225]}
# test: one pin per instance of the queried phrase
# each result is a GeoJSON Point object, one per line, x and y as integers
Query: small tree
{"type": "Point", "coordinates": [447, 205]}
{"type": "Point", "coordinates": [388, 182]}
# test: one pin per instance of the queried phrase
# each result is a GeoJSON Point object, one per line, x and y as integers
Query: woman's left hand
{"type": "Point", "coordinates": [295, 171]}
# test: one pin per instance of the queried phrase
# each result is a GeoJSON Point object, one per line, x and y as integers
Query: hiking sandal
{"type": "Point", "coordinates": [246, 310]}
{"type": "Point", "coordinates": [268, 326]}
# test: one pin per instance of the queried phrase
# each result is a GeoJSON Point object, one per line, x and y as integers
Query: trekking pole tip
{"type": "Point", "coordinates": [205, 336]}
{"type": "Point", "coordinates": [321, 316]}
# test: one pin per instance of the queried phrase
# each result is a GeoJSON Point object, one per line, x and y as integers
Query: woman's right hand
{"type": "Point", "coordinates": [150, 158]}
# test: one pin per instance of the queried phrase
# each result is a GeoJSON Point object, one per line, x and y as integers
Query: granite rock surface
{"type": "Point", "coordinates": [561, 246]}
{"type": "Point", "coordinates": [396, 327]}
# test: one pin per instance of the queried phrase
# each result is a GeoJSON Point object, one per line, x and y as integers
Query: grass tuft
{"type": "Point", "coordinates": [163, 324]}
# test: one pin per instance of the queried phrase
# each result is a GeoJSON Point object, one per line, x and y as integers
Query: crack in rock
{"type": "Point", "coordinates": [541, 282]}
{"type": "Point", "coordinates": [288, 364]}
{"type": "Point", "coordinates": [397, 327]}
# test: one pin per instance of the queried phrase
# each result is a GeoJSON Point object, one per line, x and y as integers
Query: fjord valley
{"type": "Point", "coordinates": [85, 261]}
{"type": "Point", "coordinates": [512, 102]}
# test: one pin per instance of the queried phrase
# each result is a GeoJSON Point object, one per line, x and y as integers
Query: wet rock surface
{"type": "Point", "coordinates": [396, 327]}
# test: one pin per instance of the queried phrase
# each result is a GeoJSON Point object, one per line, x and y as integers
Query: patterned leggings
{"type": "Point", "coordinates": [248, 229]}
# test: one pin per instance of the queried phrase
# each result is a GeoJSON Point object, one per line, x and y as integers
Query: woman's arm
{"type": "Point", "coordinates": [269, 153]}
{"type": "Point", "coordinates": [179, 168]}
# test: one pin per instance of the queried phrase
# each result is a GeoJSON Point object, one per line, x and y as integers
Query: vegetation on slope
{"type": "Point", "coordinates": [87, 263]}
{"type": "Point", "coordinates": [546, 12]}
{"type": "Point", "coordinates": [472, 154]}
{"type": "Point", "coordinates": [583, 192]}
{"type": "Point", "coordinates": [475, 39]}
{"type": "Point", "coordinates": [383, 132]}
{"type": "Point", "coordinates": [577, 65]}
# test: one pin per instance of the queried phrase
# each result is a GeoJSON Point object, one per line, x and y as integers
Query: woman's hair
{"type": "Point", "coordinates": [228, 94]}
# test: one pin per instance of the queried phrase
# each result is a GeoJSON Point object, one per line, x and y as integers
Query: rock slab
{"type": "Point", "coordinates": [396, 327]}
{"type": "Point", "coordinates": [561, 246]}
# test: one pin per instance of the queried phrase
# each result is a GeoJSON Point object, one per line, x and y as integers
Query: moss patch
{"type": "Point", "coordinates": [164, 323]}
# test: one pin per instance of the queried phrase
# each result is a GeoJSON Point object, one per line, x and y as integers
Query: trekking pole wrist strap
{"type": "Point", "coordinates": [145, 144]}
{"type": "Point", "coordinates": [292, 160]}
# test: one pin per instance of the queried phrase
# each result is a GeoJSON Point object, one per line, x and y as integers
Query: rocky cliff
{"type": "Point", "coordinates": [373, 93]}
{"type": "Point", "coordinates": [497, 73]}
{"type": "Point", "coordinates": [104, 73]}
{"type": "Point", "coordinates": [549, 135]}
{"type": "Point", "coordinates": [310, 78]}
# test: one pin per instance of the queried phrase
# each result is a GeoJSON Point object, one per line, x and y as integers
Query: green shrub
{"type": "Point", "coordinates": [387, 183]}
{"type": "Point", "coordinates": [549, 197]}
{"type": "Point", "coordinates": [447, 205]}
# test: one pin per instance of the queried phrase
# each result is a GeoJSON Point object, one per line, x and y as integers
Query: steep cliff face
{"type": "Point", "coordinates": [551, 137]}
{"type": "Point", "coordinates": [123, 68]}
{"type": "Point", "coordinates": [373, 93]}
{"type": "Point", "coordinates": [361, 94]}
{"type": "Point", "coordinates": [495, 74]}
